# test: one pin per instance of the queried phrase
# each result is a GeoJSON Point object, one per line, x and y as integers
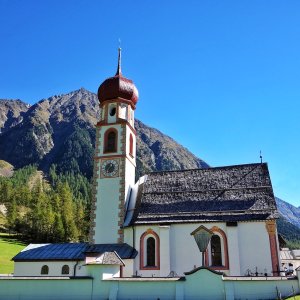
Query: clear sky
{"type": "Point", "coordinates": [220, 77]}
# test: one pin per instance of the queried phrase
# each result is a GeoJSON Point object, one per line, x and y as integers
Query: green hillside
{"type": "Point", "coordinates": [9, 247]}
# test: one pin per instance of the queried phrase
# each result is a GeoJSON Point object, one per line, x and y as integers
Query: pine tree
{"type": "Point", "coordinates": [12, 214]}
{"type": "Point", "coordinates": [68, 216]}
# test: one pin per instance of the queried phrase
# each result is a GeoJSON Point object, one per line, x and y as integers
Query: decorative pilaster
{"type": "Point", "coordinates": [271, 229]}
{"type": "Point", "coordinates": [96, 169]}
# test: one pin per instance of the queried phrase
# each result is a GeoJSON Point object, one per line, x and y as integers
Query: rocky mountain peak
{"type": "Point", "coordinates": [11, 113]}
{"type": "Point", "coordinates": [60, 130]}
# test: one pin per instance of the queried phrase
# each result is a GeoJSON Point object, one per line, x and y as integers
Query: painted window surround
{"type": "Point", "coordinates": [107, 132]}
{"type": "Point", "coordinates": [143, 250]}
{"type": "Point", "coordinates": [224, 247]}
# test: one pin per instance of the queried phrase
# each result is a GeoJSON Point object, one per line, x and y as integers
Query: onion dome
{"type": "Point", "coordinates": [118, 87]}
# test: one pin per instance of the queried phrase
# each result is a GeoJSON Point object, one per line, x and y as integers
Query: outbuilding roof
{"type": "Point", "coordinates": [71, 251]}
{"type": "Point", "coordinates": [231, 193]}
{"type": "Point", "coordinates": [123, 250]}
{"type": "Point", "coordinates": [59, 251]}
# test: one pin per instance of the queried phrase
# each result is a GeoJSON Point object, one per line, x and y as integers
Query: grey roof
{"type": "Point", "coordinates": [123, 250]}
{"type": "Point", "coordinates": [232, 193]}
{"type": "Point", "coordinates": [107, 258]}
{"type": "Point", "coordinates": [71, 251]}
{"type": "Point", "coordinates": [61, 251]}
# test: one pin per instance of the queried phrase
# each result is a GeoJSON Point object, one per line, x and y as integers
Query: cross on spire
{"type": "Point", "coordinates": [119, 71]}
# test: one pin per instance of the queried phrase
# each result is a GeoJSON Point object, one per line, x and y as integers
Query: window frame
{"type": "Point", "coordinates": [143, 250]}
{"type": "Point", "coordinates": [106, 134]}
{"type": "Point", "coordinates": [224, 251]}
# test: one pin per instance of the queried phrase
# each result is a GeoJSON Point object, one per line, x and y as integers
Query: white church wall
{"type": "Point", "coordinates": [33, 268]}
{"type": "Point", "coordinates": [108, 204]}
{"type": "Point", "coordinates": [185, 255]}
{"type": "Point", "coordinates": [130, 177]}
{"type": "Point", "coordinates": [165, 261]}
{"type": "Point", "coordinates": [254, 247]}
{"type": "Point", "coordinates": [248, 248]}
{"type": "Point", "coordinates": [233, 250]}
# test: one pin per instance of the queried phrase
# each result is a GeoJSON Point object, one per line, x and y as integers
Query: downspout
{"type": "Point", "coordinates": [133, 239]}
{"type": "Point", "coordinates": [74, 273]}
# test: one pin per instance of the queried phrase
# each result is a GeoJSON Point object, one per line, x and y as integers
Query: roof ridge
{"type": "Point", "coordinates": [210, 190]}
{"type": "Point", "coordinates": [209, 168]}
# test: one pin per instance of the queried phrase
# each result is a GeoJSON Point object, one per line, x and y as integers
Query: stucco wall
{"type": "Point", "coordinates": [46, 289]}
{"type": "Point", "coordinates": [33, 268]}
{"type": "Point", "coordinates": [254, 247]}
{"type": "Point", "coordinates": [248, 248]}
{"type": "Point", "coordinates": [201, 284]}
{"type": "Point", "coordinates": [107, 210]}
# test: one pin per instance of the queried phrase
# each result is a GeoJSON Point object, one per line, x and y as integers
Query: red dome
{"type": "Point", "coordinates": [118, 87]}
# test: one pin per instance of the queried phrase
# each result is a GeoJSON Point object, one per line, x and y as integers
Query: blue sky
{"type": "Point", "coordinates": [220, 77]}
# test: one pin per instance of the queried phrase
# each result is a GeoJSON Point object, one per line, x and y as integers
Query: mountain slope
{"type": "Point", "coordinates": [289, 211]}
{"type": "Point", "coordinates": [11, 113]}
{"type": "Point", "coordinates": [60, 130]}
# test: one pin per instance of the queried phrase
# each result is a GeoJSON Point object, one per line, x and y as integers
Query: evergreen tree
{"type": "Point", "coordinates": [68, 216]}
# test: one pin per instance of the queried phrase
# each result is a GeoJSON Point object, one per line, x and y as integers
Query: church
{"type": "Point", "coordinates": [157, 234]}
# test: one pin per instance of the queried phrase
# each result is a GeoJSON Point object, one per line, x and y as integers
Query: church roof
{"type": "Point", "coordinates": [71, 251]}
{"type": "Point", "coordinates": [231, 193]}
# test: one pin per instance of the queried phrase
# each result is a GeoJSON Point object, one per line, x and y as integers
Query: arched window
{"type": "Point", "coordinates": [149, 251]}
{"type": "Point", "coordinates": [216, 255]}
{"type": "Point", "coordinates": [110, 141]}
{"type": "Point", "coordinates": [216, 251]}
{"type": "Point", "coordinates": [65, 270]}
{"type": "Point", "coordinates": [131, 145]}
{"type": "Point", "coordinates": [45, 270]}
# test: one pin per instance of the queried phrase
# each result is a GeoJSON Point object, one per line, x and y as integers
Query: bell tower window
{"type": "Point", "coordinates": [112, 111]}
{"type": "Point", "coordinates": [110, 141]}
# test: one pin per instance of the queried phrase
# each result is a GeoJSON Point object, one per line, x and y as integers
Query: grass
{"type": "Point", "coordinates": [293, 298]}
{"type": "Point", "coordinates": [9, 247]}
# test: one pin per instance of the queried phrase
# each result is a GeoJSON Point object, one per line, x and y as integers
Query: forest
{"type": "Point", "coordinates": [51, 209]}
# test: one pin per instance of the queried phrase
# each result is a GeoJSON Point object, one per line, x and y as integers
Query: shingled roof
{"type": "Point", "coordinates": [231, 193]}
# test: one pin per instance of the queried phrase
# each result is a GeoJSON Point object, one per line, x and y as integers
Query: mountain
{"type": "Point", "coordinates": [289, 211]}
{"type": "Point", "coordinates": [6, 169]}
{"type": "Point", "coordinates": [11, 113]}
{"type": "Point", "coordinates": [60, 130]}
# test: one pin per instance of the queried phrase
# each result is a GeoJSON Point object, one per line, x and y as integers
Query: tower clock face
{"type": "Point", "coordinates": [110, 168]}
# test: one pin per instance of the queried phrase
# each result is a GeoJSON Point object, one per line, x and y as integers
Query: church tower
{"type": "Point", "coordinates": [114, 161]}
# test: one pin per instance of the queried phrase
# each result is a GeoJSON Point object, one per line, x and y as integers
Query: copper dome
{"type": "Point", "coordinates": [118, 87]}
